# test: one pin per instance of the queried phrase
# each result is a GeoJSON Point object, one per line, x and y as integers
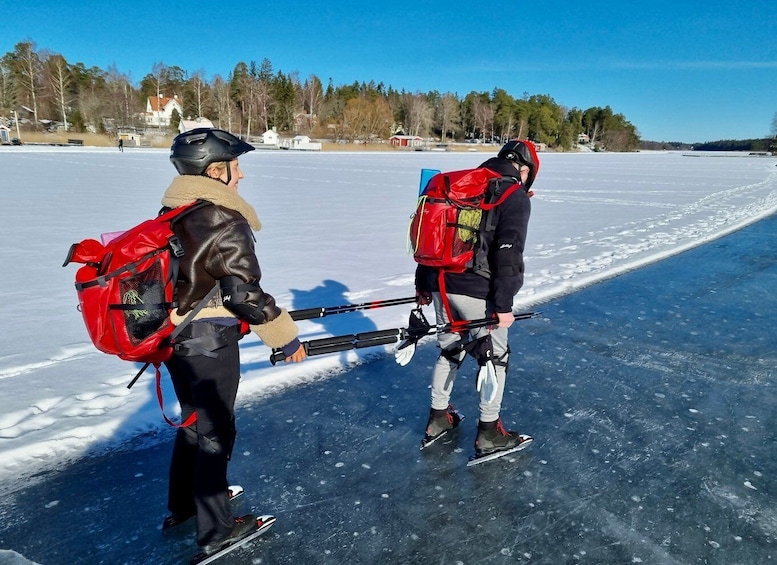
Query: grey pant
{"type": "Point", "coordinates": [445, 370]}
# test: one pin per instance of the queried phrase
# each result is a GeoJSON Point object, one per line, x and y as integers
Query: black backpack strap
{"type": "Point", "coordinates": [499, 189]}
{"type": "Point", "coordinates": [211, 293]}
{"type": "Point", "coordinates": [196, 310]}
{"type": "Point", "coordinates": [180, 327]}
{"type": "Point", "coordinates": [205, 338]}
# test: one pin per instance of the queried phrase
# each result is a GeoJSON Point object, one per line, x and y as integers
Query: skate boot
{"type": "Point", "coordinates": [492, 438]}
{"type": "Point", "coordinates": [440, 423]}
{"type": "Point", "coordinates": [176, 519]}
{"type": "Point", "coordinates": [244, 526]}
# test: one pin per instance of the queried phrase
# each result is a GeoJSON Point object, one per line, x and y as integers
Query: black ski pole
{"type": "Point", "coordinates": [419, 327]}
{"type": "Point", "coordinates": [386, 337]}
{"type": "Point", "coordinates": [311, 313]}
{"type": "Point", "coordinates": [480, 323]}
{"type": "Point", "coordinates": [344, 343]}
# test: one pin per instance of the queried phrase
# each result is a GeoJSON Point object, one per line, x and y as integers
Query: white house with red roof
{"type": "Point", "coordinates": [159, 110]}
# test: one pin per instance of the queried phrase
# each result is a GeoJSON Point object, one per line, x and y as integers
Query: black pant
{"type": "Point", "coordinates": [198, 470]}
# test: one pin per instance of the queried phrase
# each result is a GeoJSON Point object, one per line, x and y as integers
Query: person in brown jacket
{"type": "Point", "coordinates": [218, 244]}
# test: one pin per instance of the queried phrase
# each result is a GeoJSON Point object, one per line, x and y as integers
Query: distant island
{"type": "Point", "coordinates": [765, 145]}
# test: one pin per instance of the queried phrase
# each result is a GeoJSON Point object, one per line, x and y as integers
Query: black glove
{"type": "Point", "coordinates": [423, 297]}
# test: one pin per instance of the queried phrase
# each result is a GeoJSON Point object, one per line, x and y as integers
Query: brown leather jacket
{"type": "Point", "coordinates": [218, 242]}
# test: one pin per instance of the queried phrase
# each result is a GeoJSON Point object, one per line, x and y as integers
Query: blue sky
{"type": "Point", "coordinates": [679, 71]}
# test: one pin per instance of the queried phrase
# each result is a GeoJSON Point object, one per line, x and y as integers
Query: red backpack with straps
{"type": "Point", "coordinates": [126, 290]}
{"type": "Point", "coordinates": [444, 229]}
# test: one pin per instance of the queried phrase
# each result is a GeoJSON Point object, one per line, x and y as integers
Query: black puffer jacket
{"type": "Point", "coordinates": [502, 249]}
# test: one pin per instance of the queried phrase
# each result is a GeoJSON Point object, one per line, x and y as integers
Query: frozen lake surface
{"type": "Point", "coordinates": [650, 395]}
{"type": "Point", "coordinates": [651, 398]}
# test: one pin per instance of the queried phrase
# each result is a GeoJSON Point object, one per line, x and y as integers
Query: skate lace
{"type": "Point", "coordinates": [500, 428]}
{"type": "Point", "coordinates": [449, 414]}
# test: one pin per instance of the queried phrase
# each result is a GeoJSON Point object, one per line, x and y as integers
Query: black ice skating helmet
{"type": "Point", "coordinates": [523, 152]}
{"type": "Point", "coordinates": [194, 150]}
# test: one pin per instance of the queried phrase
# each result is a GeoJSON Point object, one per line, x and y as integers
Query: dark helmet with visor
{"type": "Point", "coordinates": [523, 152]}
{"type": "Point", "coordinates": [193, 151]}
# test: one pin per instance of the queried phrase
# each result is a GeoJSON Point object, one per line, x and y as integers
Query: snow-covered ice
{"type": "Point", "coordinates": [334, 232]}
{"type": "Point", "coordinates": [650, 396]}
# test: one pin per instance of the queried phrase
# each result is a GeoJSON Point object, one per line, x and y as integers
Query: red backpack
{"type": "Point", "coordinates": [444, 229]}
{"type": "Point", "coordinates": [126, 289]}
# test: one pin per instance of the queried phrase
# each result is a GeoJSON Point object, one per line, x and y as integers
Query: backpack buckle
{"type": "Point", "coordinates": [176, 247]}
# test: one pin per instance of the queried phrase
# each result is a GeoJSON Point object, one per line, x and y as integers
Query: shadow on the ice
{"type": "Point", "coordinates": [328, 294]}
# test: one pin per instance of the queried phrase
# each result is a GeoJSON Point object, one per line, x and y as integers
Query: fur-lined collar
{"type": "Point", "coordinates": [188, 188]}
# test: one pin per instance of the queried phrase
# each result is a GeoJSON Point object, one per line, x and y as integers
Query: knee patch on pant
{"type": "Point", "coordinates": [504, 360]}
{"type": "Point", "coordinates": [188, 435]}
{"type": "Point", "coordinates": [212, 445]}
{"type": "Point", "coordinates": [453, 355]}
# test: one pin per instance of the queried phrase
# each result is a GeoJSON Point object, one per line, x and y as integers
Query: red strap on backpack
{"type": "Point", "coordinates": [188, 422]}
{"type": "Point", "coordinates": [442, 270]}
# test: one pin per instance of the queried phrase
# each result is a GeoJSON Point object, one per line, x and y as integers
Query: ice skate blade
{"type": "Point", "coordinates": [426, 443]}
{"type": "Point", "coordinates": [263, 523]}
{"type": "Point", "coordinates": [475, 460]}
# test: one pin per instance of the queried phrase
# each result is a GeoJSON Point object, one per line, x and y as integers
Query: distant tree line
{"type": "Point", "coordinates": [665, 145]}
{"type": "Point", "coordinates": [256, 97]}
{"type": "Point", "coordinates": [765, 144]}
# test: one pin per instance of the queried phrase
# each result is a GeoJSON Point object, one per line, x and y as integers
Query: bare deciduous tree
{"type": "Point", "coordinates": [199, 90]}
{"type": "Point", "coordinates": [158, 75]}
{"type": "Point", "coordinates": [120, 106]}
{"type": "Point", "coordinates": [7, 94]}
{"type": "Point", "coordinates": [28, 71]}
{"type": "Point", "coordinates": [224, 105]}
{"type": "Point", "coordinates": [264, 93]}
{"type": "Point", "coordinates": [418, 114]}
{"type": "Point", "coordinates": [312, 97]}
{"type": "Point", "coordinates": [57, 74]}
{"type": "Point", "coordinates": [483, 117]}
{"type": "Point", "coordinates": [450, 114]}
{"type": "Point", "coordinates": [356, 118]}
{"type": "Point", "coordinates": [380, 120]}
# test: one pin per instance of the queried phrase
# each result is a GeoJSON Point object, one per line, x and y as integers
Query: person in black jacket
{"type": "Point", "coordinates": [486, 289]}
{"type": "Point", "coordinates": [218, 244]}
